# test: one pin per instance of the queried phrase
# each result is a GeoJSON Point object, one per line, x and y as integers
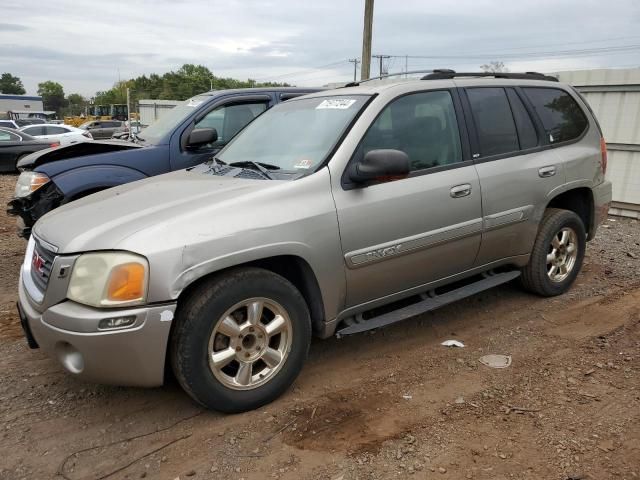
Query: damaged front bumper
{"type": "Point", "coordinates": [30, 208]}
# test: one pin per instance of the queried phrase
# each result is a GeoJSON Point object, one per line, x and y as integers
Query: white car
{"type": "Point", "coordinates": [65, 134]}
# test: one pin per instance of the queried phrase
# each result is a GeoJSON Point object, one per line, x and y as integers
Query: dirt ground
{"type": "Point", "coordinates": [389, 404]}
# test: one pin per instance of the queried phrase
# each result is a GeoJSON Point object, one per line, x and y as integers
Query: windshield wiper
{"type": "Point", "coordinates": [261, 167]}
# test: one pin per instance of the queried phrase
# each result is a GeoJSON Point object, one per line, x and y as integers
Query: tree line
{"type": "Point", "coordinates": [187, 81]}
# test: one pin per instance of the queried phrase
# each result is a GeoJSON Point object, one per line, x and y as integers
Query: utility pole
{"type": "Point", "coordinates": [355, 62]}
{"type": "Point", "coordinates": [129, 113]}
{"type": "Point", "coordinates": [381, 57]}
{"type": "Point", "coordinates": [366, 40]}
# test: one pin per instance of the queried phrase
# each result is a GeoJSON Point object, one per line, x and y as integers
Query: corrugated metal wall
{"type": "Point", "coordinates": [614, 95]}
{"type": "Point", "coordinates": [151, 110]}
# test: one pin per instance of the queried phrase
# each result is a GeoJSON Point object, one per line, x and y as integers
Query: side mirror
{"type": "Point", "coordinates": [381, 165]}
{"type": "Point", "coordinates": [202, 136]}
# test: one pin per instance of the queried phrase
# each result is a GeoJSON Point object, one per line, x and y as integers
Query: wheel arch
{"type": "Point", "coordinates": [292, 267]}
{"type": "Point", "coordinates": [580, 201]}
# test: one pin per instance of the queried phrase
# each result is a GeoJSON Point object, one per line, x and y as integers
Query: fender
{"type": "Point", "coordinates": [96, 177]}
{"type": "Point", "coordinates": [331, 286]}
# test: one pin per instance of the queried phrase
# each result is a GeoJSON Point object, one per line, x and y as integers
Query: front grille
{"type": "Point", "coordinates": [41, 264]}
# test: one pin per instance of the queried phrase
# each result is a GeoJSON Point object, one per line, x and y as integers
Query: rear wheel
{"type": "Point", "coordinates": [557, 253]}
{"type": "Point", "coordinates": [240, 339]}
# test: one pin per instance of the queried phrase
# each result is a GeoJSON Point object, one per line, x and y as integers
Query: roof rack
{"type": "Point", "coordinates": [443, 74]}
{"type": "Point", "coordinates": [412, 72]}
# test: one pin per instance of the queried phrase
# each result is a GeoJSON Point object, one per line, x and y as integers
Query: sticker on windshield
{"type": "Point", "coordinates": [305, 164]}
{"type": "Point", "coordinates": [336, 103]}
{"type": "Point", "coordinates": [194, 103]}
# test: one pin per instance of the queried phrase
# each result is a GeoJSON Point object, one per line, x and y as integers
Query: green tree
{"type": "Point", "coordinates": [12, 85]}
{"type": "Point", "coordinates": [75, 104]}
{"type": "Point", "coordinates": [494, 67]}
{"type": "Point", "coordinates": [52, 95]}
{"type": "Point", "coordinates": [187, 81]}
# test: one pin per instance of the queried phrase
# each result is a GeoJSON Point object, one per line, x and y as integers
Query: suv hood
{"type": "Point", "coordinates": [105, 219]}
{"type": "Point", "coordinates": [81, 149]}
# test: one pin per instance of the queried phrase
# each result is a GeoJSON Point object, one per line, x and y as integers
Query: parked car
{"type": "Point", "coordinates": [131, 129]}
{"type": "Point", "coordinates": [65, 134]}
{"type": "Point", "coordinates": [186, 136]}
{"type": "Point", "coordinates": [23, 122]}
{"type": "Point", "coordinates": [15, 145]}
{"type": "Point", "coordinates": [340, 211]}
{"type": "Point", "coordinates": [101, 129]}
{"type": "Point", "coordinates": [9, 124]}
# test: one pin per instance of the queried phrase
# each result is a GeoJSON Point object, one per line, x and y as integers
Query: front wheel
{"type": "Point", "coordinates": [557, 253]}
{"type": "Point", "coordinates": [240, 339]}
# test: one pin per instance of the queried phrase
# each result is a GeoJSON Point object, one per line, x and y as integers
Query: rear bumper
{"type": "Point", "coordinates": [602, 196]}
{"type": "Point", "coordinates": [133, 356]}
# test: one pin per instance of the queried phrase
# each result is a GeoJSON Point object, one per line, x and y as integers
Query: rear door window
{"type": "Point", "coordinates": [494, 122]}
{"type": "Point", "coordinates": [526, 130]}
{"type": "Point", "coordinates": [561, 116]}
{"type": "Point", "coordinates": [55, 130]}
{"type": "Point", "coordinates": [34, 131]}
{"type": "Point", "coordinates": [8, 137]}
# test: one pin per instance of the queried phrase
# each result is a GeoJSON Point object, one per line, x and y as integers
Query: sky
{"type": "Point", "coordinates": [87, 46]}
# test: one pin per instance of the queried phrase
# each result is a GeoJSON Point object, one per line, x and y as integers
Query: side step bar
{"type": "Point", "coordinates": [430, 303]}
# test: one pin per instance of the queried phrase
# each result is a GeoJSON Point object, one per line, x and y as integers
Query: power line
{"type": "Point", "coordinates": [550, 53]}
{"type": "Point", "coordinates": [303, 72]}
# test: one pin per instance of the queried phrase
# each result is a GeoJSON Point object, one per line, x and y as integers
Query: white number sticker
{"type": "Point", "coordinates": [336, 103]}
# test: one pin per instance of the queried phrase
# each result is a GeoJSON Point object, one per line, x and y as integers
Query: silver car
{"type": "Point", "coordinates": [333, 213]}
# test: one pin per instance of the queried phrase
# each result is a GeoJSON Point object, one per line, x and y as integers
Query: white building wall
{"type": "Point", "coordinates": [151, 110]}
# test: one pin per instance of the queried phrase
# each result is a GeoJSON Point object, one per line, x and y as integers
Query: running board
{"type": "Point", "coordinates": [430, 303]}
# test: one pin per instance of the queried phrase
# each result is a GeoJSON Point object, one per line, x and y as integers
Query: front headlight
{"type": "Point", "coordinates": [29, 182]}
{"type": "Point", "coordinates": [109, 279]}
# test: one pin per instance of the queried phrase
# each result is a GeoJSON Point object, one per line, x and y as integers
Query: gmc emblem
{"type": "Point", "coordinates": [38, 263]}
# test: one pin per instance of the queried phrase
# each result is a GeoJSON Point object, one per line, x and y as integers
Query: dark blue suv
{"type": "Point", "coordinates": [187, 135]}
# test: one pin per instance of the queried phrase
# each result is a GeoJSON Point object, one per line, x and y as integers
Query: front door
{"type": "Point", "coordinates": [402, 234]}
{"type": "Point", "coordinates": [227, 119]}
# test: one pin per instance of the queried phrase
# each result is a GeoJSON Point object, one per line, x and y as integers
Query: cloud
{"type": "Point", "coordinates": [88, 48]}
{"type": "Point", "coordinates": [12, 27]}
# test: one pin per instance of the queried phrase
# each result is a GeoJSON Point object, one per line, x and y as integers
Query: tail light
{"type": "Point", "coordinates": [54, 144]}
{"type": "Point", "coordinates": [603, 153]}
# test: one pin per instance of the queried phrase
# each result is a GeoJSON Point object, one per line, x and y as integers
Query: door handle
{"type": "Point", "coordinates": [460, 191]}
{"type": "Point", "coordinates": [545, 172]}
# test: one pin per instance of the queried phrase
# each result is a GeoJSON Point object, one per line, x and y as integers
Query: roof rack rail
{"type": "Point", "coordinates": [443, 74]}
{"type": "Point", "coordinates": [411, 72]}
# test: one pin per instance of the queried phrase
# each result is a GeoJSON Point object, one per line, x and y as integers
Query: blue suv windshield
{"type": "Point", "coordinates": [155, 132]}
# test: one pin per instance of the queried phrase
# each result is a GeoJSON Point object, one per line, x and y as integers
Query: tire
{"type": "Point", "coordinates": [539, 276]}
{"type": "Point", "coordinates": [216, 317]}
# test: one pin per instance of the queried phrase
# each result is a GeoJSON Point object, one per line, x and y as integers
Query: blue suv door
{"type": "Point", "coordinates": [228, 116]}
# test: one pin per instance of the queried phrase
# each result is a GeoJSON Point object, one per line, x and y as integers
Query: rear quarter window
{"type": "Point", "coordinates": [561, 116]}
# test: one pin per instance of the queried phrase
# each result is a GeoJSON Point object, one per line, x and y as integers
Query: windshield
{"type": "Point", "coordinates": [296, 135]}
{"type": "Point", "coordinates": [167, 122]}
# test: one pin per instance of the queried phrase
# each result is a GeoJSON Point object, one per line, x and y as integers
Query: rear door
{"type": "Point", "coordinates": [402, 234]}
{"type": "Point", "coordinates": [518, 171]}
{"type": "Point", "coordinates": [228, 117]}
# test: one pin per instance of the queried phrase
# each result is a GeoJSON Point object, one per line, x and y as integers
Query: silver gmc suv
{"type": "Point", "coordinates": [332, 213]}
